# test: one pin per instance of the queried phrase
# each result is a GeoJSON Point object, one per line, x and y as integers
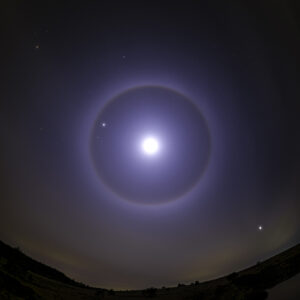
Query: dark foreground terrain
{"type": "Point", "coordinates": [24, 278]}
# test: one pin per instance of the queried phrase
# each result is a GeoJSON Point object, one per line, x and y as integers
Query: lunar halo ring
{"type": "Point", "coordinates": [96, 123]}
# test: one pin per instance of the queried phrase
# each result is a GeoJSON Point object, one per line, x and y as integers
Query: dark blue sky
{"type": "Point", "coordinates": [237, 63]}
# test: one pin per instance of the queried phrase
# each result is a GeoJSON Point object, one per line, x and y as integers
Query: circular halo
{"type": "Point", "coordinates": [151, 144]}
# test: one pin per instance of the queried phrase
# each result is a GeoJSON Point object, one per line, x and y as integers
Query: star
{"type": "Point", "coordinates": [260, 228]}
{"type": "Point", "coordinates": [103, 124]}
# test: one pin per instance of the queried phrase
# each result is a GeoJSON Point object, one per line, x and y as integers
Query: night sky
{"type": "Point", "coordinates": [146, 144]}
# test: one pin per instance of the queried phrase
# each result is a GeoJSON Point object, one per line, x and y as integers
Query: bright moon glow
{"type": "Point", "coordinates": [150, 146]}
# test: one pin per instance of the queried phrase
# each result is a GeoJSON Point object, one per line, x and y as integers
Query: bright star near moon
{"type": "Point", "coordinates": [150, 146]}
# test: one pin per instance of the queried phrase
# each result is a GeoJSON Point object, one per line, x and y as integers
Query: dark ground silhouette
{"type": "Point", "coordinates": [21, 277]}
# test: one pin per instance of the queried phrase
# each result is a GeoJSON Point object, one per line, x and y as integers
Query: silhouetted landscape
{"type": "Point", "coordinates": [21, 277]}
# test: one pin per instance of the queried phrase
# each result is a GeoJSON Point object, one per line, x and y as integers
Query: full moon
{"type": "Point", "coordinates": [150, 146]}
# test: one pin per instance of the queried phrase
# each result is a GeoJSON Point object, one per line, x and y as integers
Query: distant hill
{"type": "Point", "coordinates": [18, 264]}
{"type": "Point", "coordinates": [21, 277]}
